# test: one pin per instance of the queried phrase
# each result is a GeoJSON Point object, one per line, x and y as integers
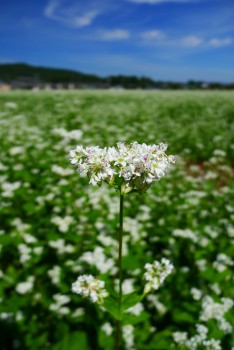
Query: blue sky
{"type": "Point", "coordinates": [162, 39]}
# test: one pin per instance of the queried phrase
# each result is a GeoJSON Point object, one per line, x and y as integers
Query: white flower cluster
{"type": "Point", "coordinates": [125, 167]}
{"type": "Point", "coordinates": [91, 287]}
{"type": "Point", "coordinates": [61, 247]}
{"type": "Point", "coordinates": [156, 273]}
{"type": "Point", "coordinates": [63, 223]}
{"type": "Point", "coordinates": [25, 287]}
{"type": "Point", "coordinates": [99, 259]}
{"type": "Point", "coordinates": [222, 262]}
{"type": "Point", "coordinates": [107, 328]}
{"type": "Point", "coordinates": [8, 188]}
{"type": "Point", "coordinates": [61, 171]}
{"type": "Point", "coordinates": [128, 336]}
{"type": "Point", "coordinates": [198, 340]}
{"type": "Point", "coordinates": [154, 301]}
{"type": "Point", "coordinates": [68, 135]}
{"type": "Point", "coordinates": [216, 311]}
{"type": "Point", "coordinates": [54, 274]}
{"type": "Point", "coordinates": [196, 293]}
{"type": "Point", "coordinates": [10, 104]}
{"type": "Point", "coordinates": [136, 309]}
{"type": "Point", "coordinates": [58, 305]}
{"type": "Point", "coordinates": [186, 233]}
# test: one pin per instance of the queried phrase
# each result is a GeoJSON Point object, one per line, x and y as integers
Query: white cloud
{"type": "Point", "coordinates": [155, 2]}
{"type": "Point", "coordinates": [192, 41]}
{"type": "Point", "coordinates": [85, 20]}
{"type": "Point", "coordinates": [67, 16]}
{"type": "Point", "coordinates": [116, 34]}
{"type": "Point", "coordinates": [50, 8]}
{"type": "Point", "coordinates": [152, 35]}
{"type": "Point", "coordinates": [215, 42]}
{"type": "Point", "coordinates": [159, 38]}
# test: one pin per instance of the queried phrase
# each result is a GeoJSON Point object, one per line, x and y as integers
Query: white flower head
{"type": "Point", "coordinates": [90, 287]}
{"type": "Point", "coordinates": [156, 273]}
{"type": "Point", "coordinates": [127, 168]}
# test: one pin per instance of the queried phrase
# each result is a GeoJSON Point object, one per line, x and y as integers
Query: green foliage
{"type": "Point", "coordinates": [51, 218]}
{"type": "Point", "coordinates": [73, 341]}
{"type": "Point", "coordinates": [112, 306]}
{"type": "Point", "coordinates": [130, 300]}
{"type": "Point", "coordinates": [9, 72]}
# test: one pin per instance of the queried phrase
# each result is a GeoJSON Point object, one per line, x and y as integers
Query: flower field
{"type": "Point", "coordinates": [55, 226]}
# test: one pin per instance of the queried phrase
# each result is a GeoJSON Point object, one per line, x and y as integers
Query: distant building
{"type": "Point", "coordinates": [117, 88]}
{"type": "Point", "coordinates": [5, 87]}
{"type": "Point", "coordinates": [205, 86]}
{"type": "Point", "coordinates": [27, 83]}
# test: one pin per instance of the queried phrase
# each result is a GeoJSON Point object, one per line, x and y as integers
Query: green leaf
{"type": "Point", "coordinates": [128, 318]}
{"type": "Point", "coordinates": [112, 306]}
{"type": "Point", "coordinates": [106, 342]}
{"type": "Point", "coordinates": [181, 317]}
{"type": "Point", "coordinates": [130, 262]}
{"type": "Point", "coordinates": [130, 300]}
{"type": "Point", "coordinates": [73, 341]}
{"type": "Point", "coordinates": [161, 341]}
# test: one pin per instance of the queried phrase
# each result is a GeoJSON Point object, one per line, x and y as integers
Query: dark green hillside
{"type": "Point", "coordinates": [9, 72]}
{"type": "Point", "coordinates": [31, 75]}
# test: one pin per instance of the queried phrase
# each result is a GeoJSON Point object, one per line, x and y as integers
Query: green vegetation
{"type": "Point", "coordinates": [25, 76]}
{"type": "Point", "coordinates": [55, 226]}
{"type": "Point", "coordinates": [9, 72]}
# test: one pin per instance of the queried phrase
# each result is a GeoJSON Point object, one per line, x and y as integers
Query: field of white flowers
{"type": "Point", "coordinates": [55, 226]}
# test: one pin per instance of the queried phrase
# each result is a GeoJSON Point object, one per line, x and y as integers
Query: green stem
{"type": "Point", "coordinates": [120, 240]}
{"type": "Point", "coordinates": [120, 247]}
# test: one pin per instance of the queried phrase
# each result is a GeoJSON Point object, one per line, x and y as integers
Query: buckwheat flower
{"type": "Point", "coordinates": [10, 104]}
{"type": "Point", "coordinates": [25, 253]}
{"type": "Point", "coordinates": [128, 285]}
{"type": "Point", "coordinates": [180, 337]}
{"type": "Point", "coordinates": [61, 299]}
{"type": "Point", "coordinates": [63, 223]}
{"type": "Point", "coordinates": [68, 135]}
{"type": "Point", "coordinates": [54, 274]}
{"type": "Point", "coordinates": [196, 293]}
{"type": "Point", "coordinates": [212, 344]}
{"type": "Point", "coordinates": [29, 238]}
{"type": "Point", "coordinates": [19, 315]}
{"type": "Point", "coordinates": [60, 246]}
{"type": "Point", "coordinates": [156, 273]}
{"type": "Point", "coordinates": [99, 259]}
{"type": "Point", "coordinates": [90, 287]}
{"type": "Point", "coordinates": [107, 328]}
{"type": "Point", "coordinates": [127, 168]}
{"type": "Point", "coordinates": [61, 171]}
{"type": "Point", "coordinates": [8, 188]}
{"type": "Point", "coordinates": [198, 341]}
{"type": "Point", "coordinates": [128, 336]}
{"type": "Point", "coordinates": [217, 311]}
{"type": "Point", "coordinates": [136, 309]}
{"type": "Point", "coordinates": [25, 287]}
{"type": "Point", "coordinates": [58, 305]}
{"type": "Point", "coordinates": [78, 312]}
{"type": "Point", "coordinates": [6, 316]}
{"type": "Point", "coordinates": [153, 301]}
{"type": "Point", "coordinates": [215, 288]}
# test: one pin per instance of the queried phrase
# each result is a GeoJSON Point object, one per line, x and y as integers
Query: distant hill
{"type": "Point", "coordinates": [22, 75]}
{"type": "Point", "coordinates": [12, 71]}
